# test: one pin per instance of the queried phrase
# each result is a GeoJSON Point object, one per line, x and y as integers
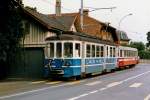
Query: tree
{"type": "Point", "coordinates": [139, 45]}
{"type": "Point", "coordinates": [11, 32]}
{"type": "Point", "coordinates": [148, 39]}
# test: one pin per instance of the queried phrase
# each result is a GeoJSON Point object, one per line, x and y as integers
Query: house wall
{"type": "Point", "coordinates": [73, 28]}
{"type": "Point", "coordinates": [30, 61]}
{"type": "Point", "coordinates": [124, 42]}
{"type": "Point", "coordinates": [35, 35]}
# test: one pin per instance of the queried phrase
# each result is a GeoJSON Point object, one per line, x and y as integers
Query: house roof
{"type": "Point", "coordinates": [66, 20]}
{"type": "Point", "coordinates": [59, 22]}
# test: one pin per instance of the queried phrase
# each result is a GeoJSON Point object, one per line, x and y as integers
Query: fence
{"type": "Point", "coordinates": [145, 61]}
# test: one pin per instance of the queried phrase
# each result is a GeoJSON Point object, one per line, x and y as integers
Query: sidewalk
{"type": "Point", "coordinates": [11, 86]}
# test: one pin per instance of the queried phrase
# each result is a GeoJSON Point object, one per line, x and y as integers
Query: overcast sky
{"type": "Point", "coordinates": [136, 25]}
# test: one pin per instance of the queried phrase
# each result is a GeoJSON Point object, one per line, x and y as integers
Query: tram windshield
{"type": "Point", "coordinates": [68, 50]}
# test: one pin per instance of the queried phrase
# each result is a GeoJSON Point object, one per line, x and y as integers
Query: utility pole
{"type": "Point", "coordinates": [81, 15]}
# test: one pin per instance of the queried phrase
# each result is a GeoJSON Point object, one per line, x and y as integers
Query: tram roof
{"type": "Point", "coordinates": [78, 36]}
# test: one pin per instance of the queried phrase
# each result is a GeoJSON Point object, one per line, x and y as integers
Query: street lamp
{"type": "Point", "coordinates": [124, 18]}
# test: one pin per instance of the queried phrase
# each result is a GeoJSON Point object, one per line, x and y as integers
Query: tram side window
{"type": "Point", "coordinates": [97, 51]}
{"type": "Point", "coordinates": [114, 52]}
{"type": "Point", "coordinates": [88, 50]}
{"type": "Point", "coordinates": [68, 50]}
{"type": "Point", "coordinates": [111, 52]}
{"type": "Point", "coordinates": [107, 52]}
{"type": "Point", "coordinates": [51, 50]}
{"type": "Point", "coordinates": [77, 50]}
{"type": "Point", "coordinates": [93, 50]}
{"type": "Point", "coordinates": [102, 51]}
{"type": "Point", "coordinates": [59, 50]}
{"type": "Point", "coordinates": [121, 55]}
{"type": "Point", "coordinates": [125, 53]}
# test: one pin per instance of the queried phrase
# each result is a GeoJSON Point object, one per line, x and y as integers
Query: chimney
{"type": "Point", "coordinates": [85, 12]}
{"type": "Point", "coordinates": [58, 8]}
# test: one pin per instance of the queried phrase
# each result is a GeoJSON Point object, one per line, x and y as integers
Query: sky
{"type": "Point", "coordinates": [136, 25]}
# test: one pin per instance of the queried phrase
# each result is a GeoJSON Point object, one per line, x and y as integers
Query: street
{"type": "Point", "coordinates": [129, 84]}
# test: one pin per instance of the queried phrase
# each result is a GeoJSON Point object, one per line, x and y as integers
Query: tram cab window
{"type": "Point", "coordinates": [51, 50]}
{"type": "Point", "coordinates": [77, 50]}
{"type": "Point", "coordinates": [88, 50]}
{"type": "Point", "coordinates": [68, 50]}
{"type": "Point", "coordinates": [59, 50]}
{"type": "Point", "coordinates": [93, 50]}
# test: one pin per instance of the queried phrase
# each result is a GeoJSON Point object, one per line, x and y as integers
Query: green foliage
{"type": "Point", "coordinates": [144, 54]}
{"type": "Point", "coordinates": [139, 45]}
{"type": "Point", "coordinates": [11, 30]}
{"type": "Point", "coordinates": [148, 39]}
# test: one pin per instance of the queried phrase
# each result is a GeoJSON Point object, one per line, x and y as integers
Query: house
{"type": "Point", "coordinates": [123, 38]}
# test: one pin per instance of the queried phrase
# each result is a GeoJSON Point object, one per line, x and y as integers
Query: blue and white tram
{"type": "Point", "coordinates": [76, 54]}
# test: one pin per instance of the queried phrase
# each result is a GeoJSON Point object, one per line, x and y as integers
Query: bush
{"type": "Point", "coordinates": [144, 54]}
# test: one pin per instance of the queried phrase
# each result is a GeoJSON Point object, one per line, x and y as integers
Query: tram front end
{"type": "Point", "coordinates": [62, 59]}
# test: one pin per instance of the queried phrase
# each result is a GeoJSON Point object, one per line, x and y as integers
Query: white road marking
{"type": "Point", "coordinates": [75, 98]}
{"type": "Point", "coordinates": [94, 91]}
{"type": "Point", "coordinates": [113, 84]}
{"type": "Point", "coordinates": [102, 89]}
{"type": "Point", "coordinates": [93, 83]}
{"type": "Point", "coordinates": [147, 98]}
{"type": "Point", "coordinates": [110, 85]}
{"type": "Point", "coordinates": [136, 85]}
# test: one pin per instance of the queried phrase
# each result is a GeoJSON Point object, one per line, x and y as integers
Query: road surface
{"type": "Point", "coordinates": [129, 84]}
